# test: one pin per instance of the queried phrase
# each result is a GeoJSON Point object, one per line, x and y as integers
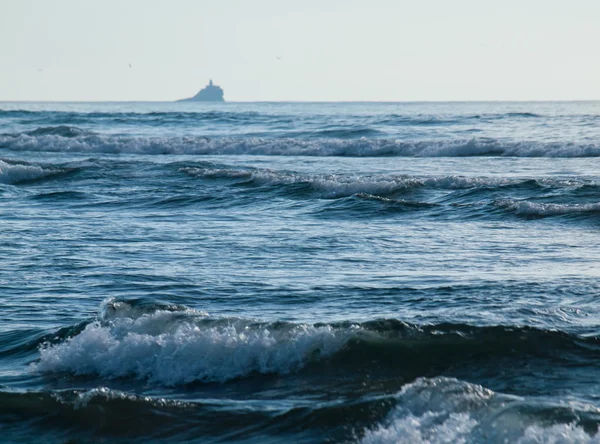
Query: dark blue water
{"type": "Point", "coordinates": [300, 272]}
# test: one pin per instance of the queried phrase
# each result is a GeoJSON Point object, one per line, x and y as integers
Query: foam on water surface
{"type": "Point", "coordinates": [297, 272]}
{"type": "Point", "coordinates": [174, 347]}
{"type": "Point", "coordinates": [446, 410]}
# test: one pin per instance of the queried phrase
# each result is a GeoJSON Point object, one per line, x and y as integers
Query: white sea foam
{"type": "Point", "coordinates": [463, 182]}
{"type": "Point", "coordinates": [80, 399]}
{"type": "Point", "coordinates": [340, 185]}
{"type": "Point", "coordinates": [334, 186]}
{"type": "Point", "coordinates": [330, 185]}
{"type": "Point", "coordinates": [427, 428]}
{"type": "Point", "coordinates": [217, 173]}
{"type": "Point", "coordinates": [528, 208]}
{"type": "Point", "coordinates": [12, 173]}
{"type": "Point", "coordinates": [172, 348]}
{"type": "Point", "coordinates": [295, 147]}
{"type": "Point", "coordinates": [446, 410]}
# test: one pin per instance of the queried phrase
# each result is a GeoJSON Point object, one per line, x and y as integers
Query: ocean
{"type": "Point", "coordinates": [300, 272]}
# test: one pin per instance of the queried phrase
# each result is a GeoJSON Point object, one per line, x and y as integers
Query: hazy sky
{"type": "Point", "coordinates": [323, 50]}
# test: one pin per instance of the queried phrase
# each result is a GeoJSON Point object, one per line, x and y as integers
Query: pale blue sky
{"type": "Point", "coordinates": [325, 50]}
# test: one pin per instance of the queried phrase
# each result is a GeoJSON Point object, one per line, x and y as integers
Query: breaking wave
{"type": "Point", "coordinates": [328, 186]}
{"type": "Point", "coordinates": [539, 209]}
{"type": "Point", "coordinates": [447, 410]}
{"type": "Point", "coordinates": [17, 172]}
{"type": "Point", "coordinates": [73, 139]}
{"type": "Point", "coordinates": [61, 131]}
{"type": "Point", "coordinates": [174, 345]}
{"type": "Point", "coordinates": [470, 189]}
{"type": "Point", "coordinates": [427, 410]}
{"type": "Point", "coordinates": [348, 184]}
{"type": "Point", "coordinates": [182, 346]}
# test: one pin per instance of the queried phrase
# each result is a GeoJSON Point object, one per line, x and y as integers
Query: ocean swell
{"type": "Point", "coordinates": [542, 209]}
{"type": "Point", "coordinates": [72, 139]}
{"type": "Point", "coordinates": [12, 172]}
{"type": "Point", "coordinates": [447, 410]}
{"type": "Point", "coordinates": [177, 345]}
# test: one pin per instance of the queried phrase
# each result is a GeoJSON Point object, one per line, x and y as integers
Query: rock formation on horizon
{"type": "Point", "coordinates": [210, 93]}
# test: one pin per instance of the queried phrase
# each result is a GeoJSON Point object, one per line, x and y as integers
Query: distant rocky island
{"type": "Point", "coordinates": [210, 93]}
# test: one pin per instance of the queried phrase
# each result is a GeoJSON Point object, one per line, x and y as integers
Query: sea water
{"type": "Point", "coordinates": [300, 272]}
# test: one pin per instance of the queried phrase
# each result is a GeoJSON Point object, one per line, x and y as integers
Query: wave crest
{"type": "Point", "coordinates": [173, 348]}
{"type": "Point", "coordinates": [72, 139]}
{"type": "Point", "coordinates": [61, 131]}
{"type": "Point", "coordinates": [173, 345]}
{"type": "Point", "coordinates": [539, 209]}
{"type": "Point", "coordinates": [447, 410]}
{"type": "Point", "coordinates": [17, 172]}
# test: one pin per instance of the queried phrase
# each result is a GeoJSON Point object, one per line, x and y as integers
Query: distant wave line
{"type": "Point", "coordinates": [67, 139]}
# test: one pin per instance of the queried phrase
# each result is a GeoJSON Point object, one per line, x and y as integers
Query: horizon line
{"type": "Point", "coordinates": [310, 101]}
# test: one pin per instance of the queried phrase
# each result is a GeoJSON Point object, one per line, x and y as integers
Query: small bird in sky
{"type": "Point", "coordinates": [130, 65]}
{"type": "Point", "coordinates": [278, 57]}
